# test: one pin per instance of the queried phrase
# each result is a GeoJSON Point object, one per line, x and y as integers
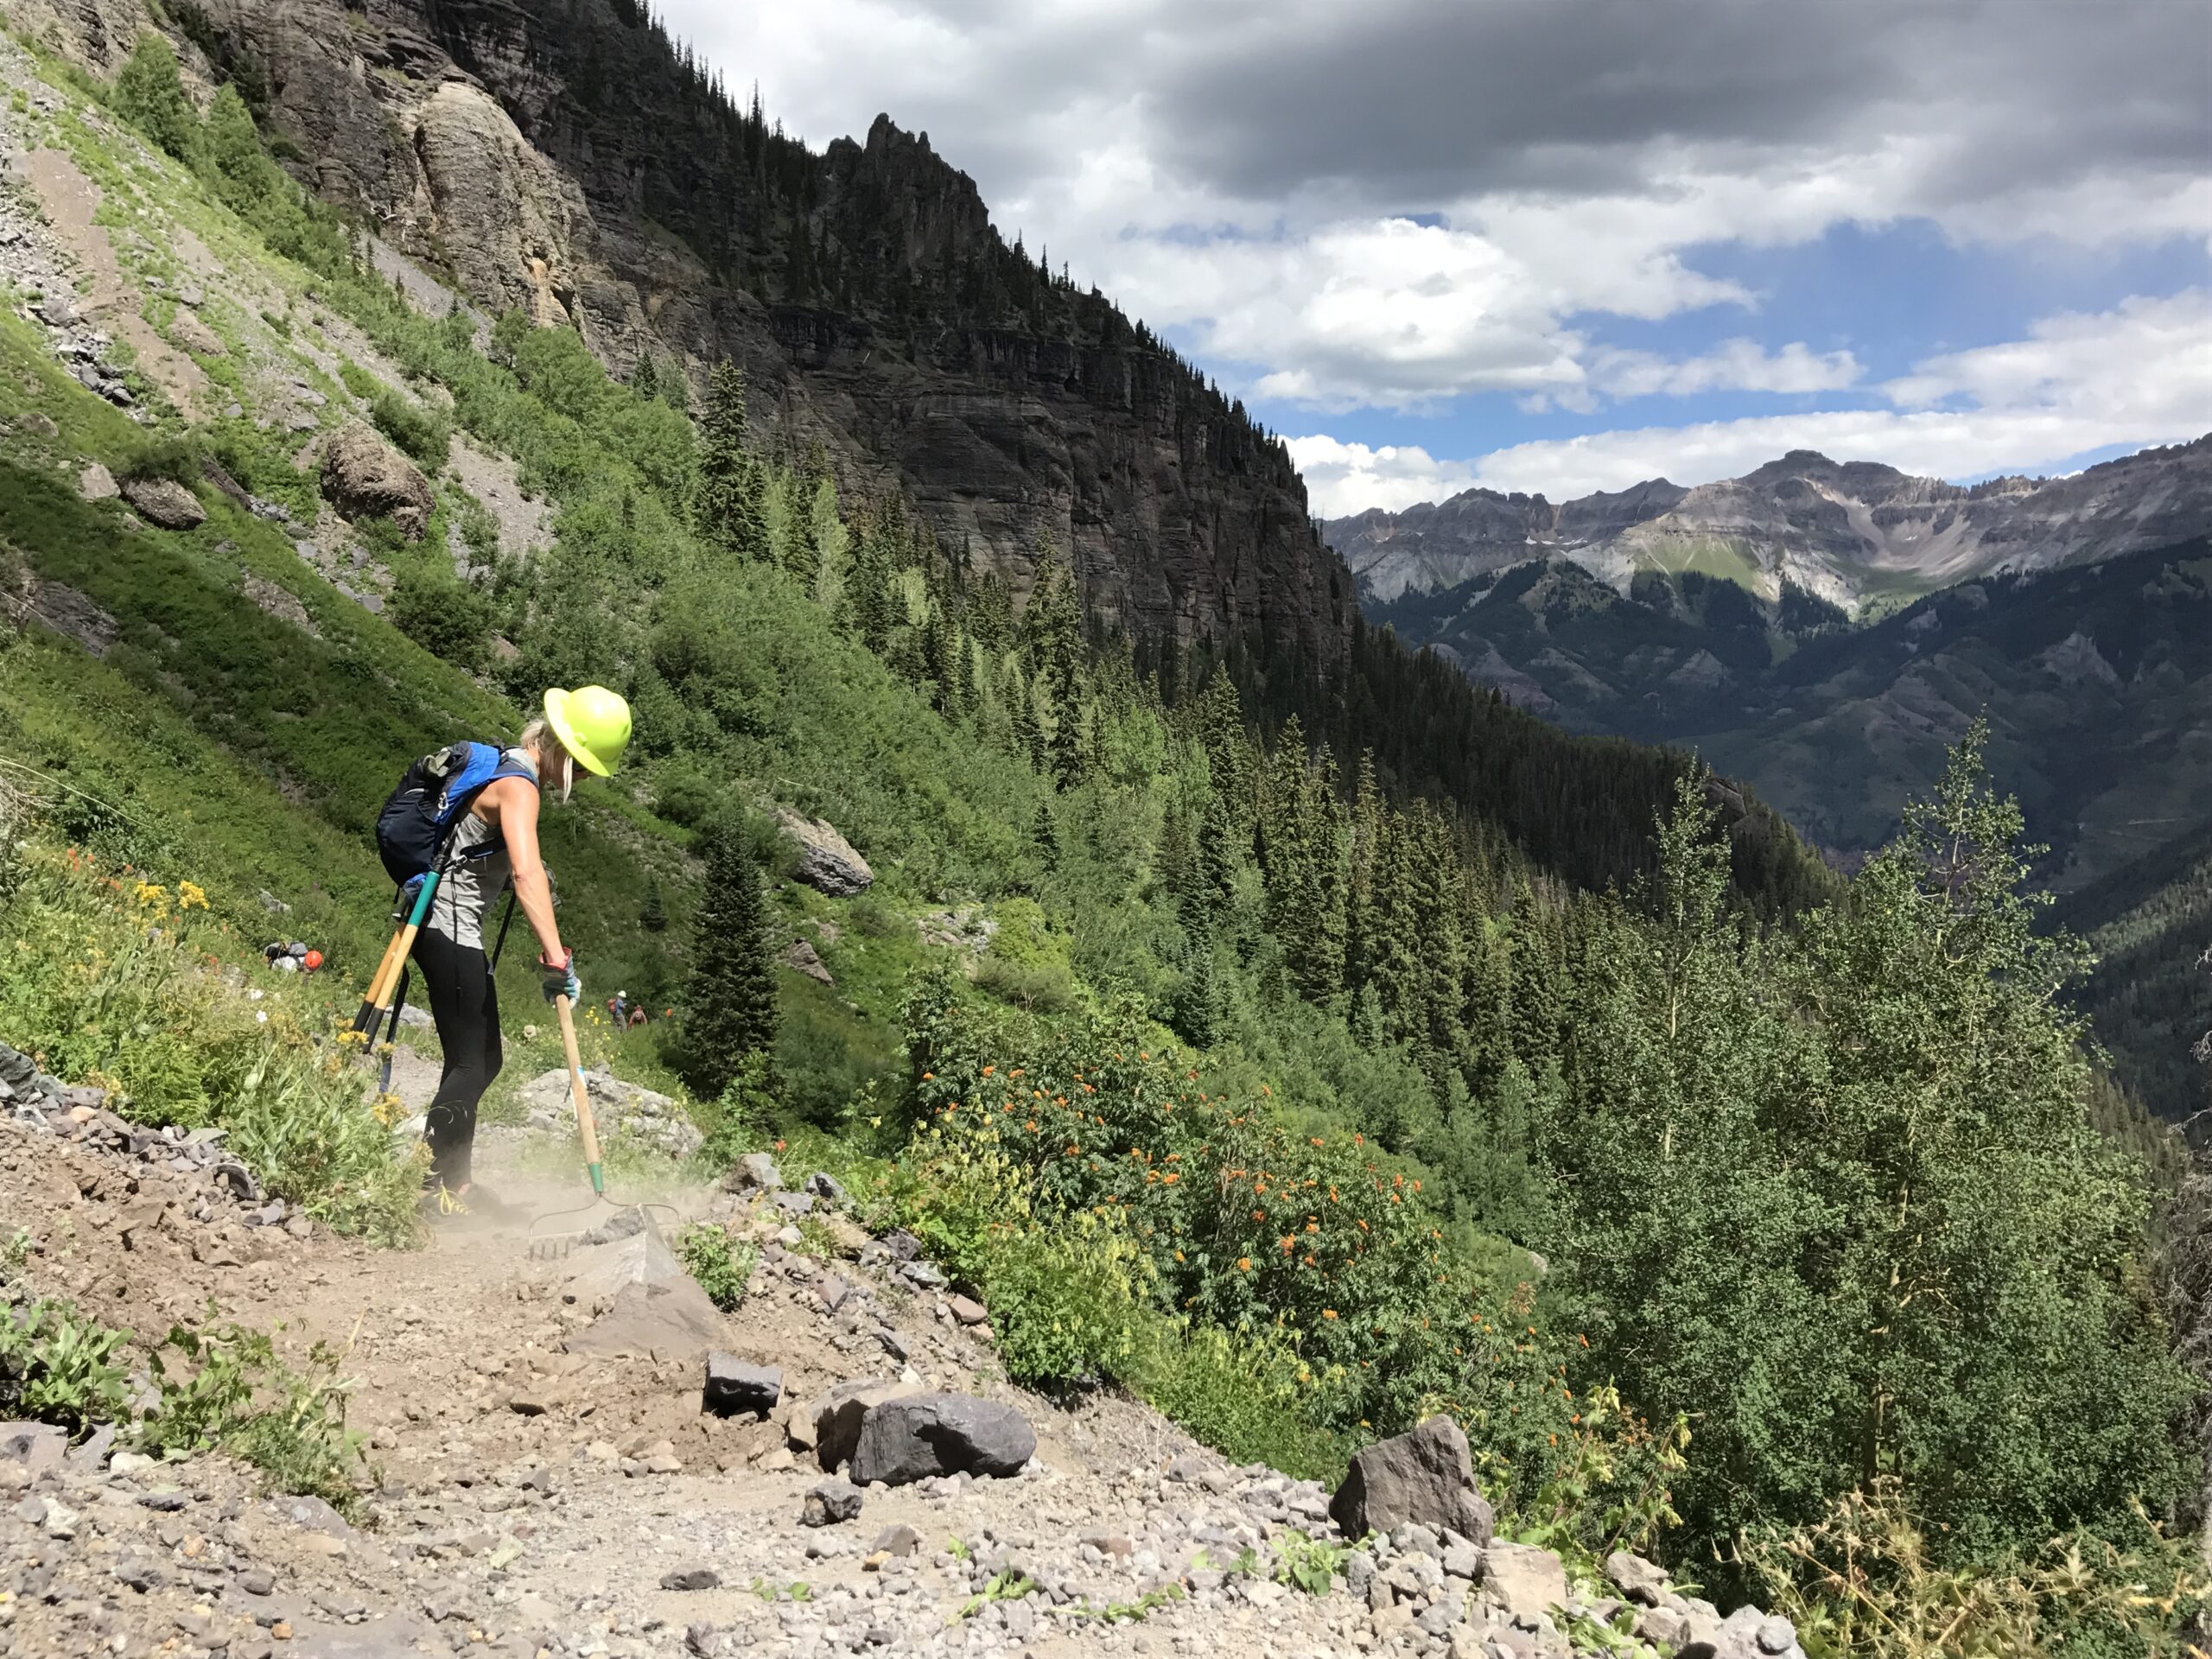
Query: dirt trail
{"type": "Point", "coordinates": [72, 202]}
{"type": "Point", "coordinates": [532, 1492]}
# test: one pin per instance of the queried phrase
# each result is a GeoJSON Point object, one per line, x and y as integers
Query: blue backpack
{"type": "Point", "coordinates": [420, 817]}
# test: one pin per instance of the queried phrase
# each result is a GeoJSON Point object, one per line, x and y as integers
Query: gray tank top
{"type": "Point", "coordinates": [472, 882]}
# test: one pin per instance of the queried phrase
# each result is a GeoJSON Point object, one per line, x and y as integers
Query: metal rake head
{"type": "Point", "coordinates": [622, 1220]}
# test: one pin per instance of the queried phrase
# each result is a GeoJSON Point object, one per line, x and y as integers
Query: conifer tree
{"type": "Point", "coordinates": [1363, 835]}
{"type": "Point", "coordinates": [1053, 625]}
{"type": "Point", "coordinates": [653, 915]}
{"type": "Point", "coordinates": [149, 93]}
{"type": "Point", "coordinates": [727, 506]}
{"type": "Point", "coordinates": [1047, 835]}
{"type": "Point", "coordinates": [729, 1003]}
{"type": "Point", "coordinates": [644, 379]}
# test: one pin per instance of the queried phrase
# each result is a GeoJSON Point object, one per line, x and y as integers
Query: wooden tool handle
{"type": "Point", "coordinates": [576, 1092]}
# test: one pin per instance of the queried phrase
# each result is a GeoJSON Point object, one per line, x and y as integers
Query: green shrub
{"type": "Point", "coordinates": [721, 1269]}
{"type": "Point", "coordinates": [424, 434]}
{"type": "Point", "coordinates": [57, 1366]}
{"type": "Point", "coordinates": [446, 617]}
{"type": "Point", "coordinates": [359, 381]}
{"type": "Point", "coordinates": [1866, 1582]}
{"type": "Point", "coordinates": [98, 978]}
{"type": "Point", "coordinates": [1064, 1301]}
{"type": "Point", "coordinates": [239, 1398]}
{"type": "Point", "coordinates": [177, 458]}
{"type": "Point", "coordinates": [304, 1126]}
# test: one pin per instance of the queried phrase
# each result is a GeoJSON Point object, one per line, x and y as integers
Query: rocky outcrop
{"type": "Point", "coordinates": [364, 477]}
{"type": "Point", "coordinates": [618, 1107]}
{"type": "Point", "coordinates": [564, 159]}
{"type": "Point", "coordinates": [165, 502]}
{"type": "Point", "coordinates": [826, 860]}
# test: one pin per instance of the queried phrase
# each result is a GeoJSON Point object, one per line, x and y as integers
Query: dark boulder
{"type": "Point", "coordinates": [734, 1387]}
{"type": "Point", "coordinates": [919, 1435]}
{"type": "Point", "coordinates": [1424, 1477]}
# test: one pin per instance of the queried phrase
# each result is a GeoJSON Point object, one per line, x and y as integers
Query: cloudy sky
{"type": "Point", "coordinates": [1567, 244]}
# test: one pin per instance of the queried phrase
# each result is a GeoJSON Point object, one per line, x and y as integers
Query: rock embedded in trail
{"type": "Point", "coordinates": [1527, 1581]}
{"type": "Point", "coordinates": [967, 1309]}
{"type": "Point", "coordinates": [827, 861]}
{"type": "Point", "coordinates": [830, 1502]}
{"type": "Point", "coordinates": [619, 1106]}
{"type": "Point", "coordinates": [756, 1170]}
{"type": "Point", "coordinates": [1424, 1477]}
{"type": "Point", "coordinates": [1637, 1579]}
{"type": "Point", "coordinates": [916, 1436]}
{"type": "Point", "coordinates": [832, 1421]}
{"type": "Point", "coordinates": [37, 1446]}
{"type": "Point", "coordinates": [691, 1578]}
{"type": "Point", "coordinates": [736, 1386]}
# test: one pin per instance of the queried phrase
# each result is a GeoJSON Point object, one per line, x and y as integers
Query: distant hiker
{"type": "Point", "coordinates": [494, 842]}
{"type": "Point", "coordinates": [619, 1007]}
{"type": "Point", "coordinates": [636, 1016]}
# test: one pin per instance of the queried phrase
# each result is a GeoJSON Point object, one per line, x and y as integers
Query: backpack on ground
{"type": "Point", "coordinates": [420, 817]}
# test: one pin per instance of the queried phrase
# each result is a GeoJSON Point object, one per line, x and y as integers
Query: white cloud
{"type": "Point", "coordinates": [2150, 354]}
{"type": "Point", "coordinates": [1249, 174]}
{"type": "Point", "coordinates": [1734, 366]}
{"type": "Point", "coordinates": [2138, 374]}
{"type": "Point", "coordinates": [1342, 478]}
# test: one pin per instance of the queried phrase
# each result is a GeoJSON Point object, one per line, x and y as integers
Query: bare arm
{"type": "Point", "coordinates": [512, 804]}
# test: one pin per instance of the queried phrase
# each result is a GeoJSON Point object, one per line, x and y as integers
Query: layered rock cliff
{"type": "Point", "coordinates": [1841, 530]}
{"type": "Point", "coordinates": [564, 157]}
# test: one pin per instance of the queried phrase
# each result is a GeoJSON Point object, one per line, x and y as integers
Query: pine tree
{"type": "Point", "coordinates": [729, 1003]}
{"type": "Point", "coordinates": [728, 507]}
{"type": "Point", "coordinates": [652, 916]}
{"type": "Point", "coordinates": [1047, 835]}
{"type": "Point", "coordinates": [149, 93]}
{"type": "Point", "coordinates": [1053, 625]}
{"type": "Point", "coordinates": [644, 379]}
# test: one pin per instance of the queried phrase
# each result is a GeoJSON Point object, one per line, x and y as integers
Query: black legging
{"type": "Point", "coordinates": [466, 1005]}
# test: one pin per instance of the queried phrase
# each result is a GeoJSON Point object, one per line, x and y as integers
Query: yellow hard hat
{"type": "Point", "coordinates": [593, 724]}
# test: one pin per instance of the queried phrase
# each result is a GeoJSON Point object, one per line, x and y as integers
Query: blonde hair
{"type": "Point", "coordinates": [543, 745]}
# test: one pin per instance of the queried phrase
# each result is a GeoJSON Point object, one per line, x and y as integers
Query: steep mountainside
{"type": "Point", "coordinates": [563, 158]}
{"type": "Point", "coordinates": [2097, 680]}
{"type": "Point", "coordinates": [1850, 533]}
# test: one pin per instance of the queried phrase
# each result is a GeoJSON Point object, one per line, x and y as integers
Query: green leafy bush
{"type": "Point", "coordinates": [57, 1366]}
{"type": "Point", "coordinates": [1867, 1581]}
{"type": "Point", "coordinates": [150, 95]}
{"type": "Point", "coordinates": [99, 978]}
{"type": "Point", "coordinates": [424, 434]}
{"type": "Point", "coordinates": [446, 617]}
{"type": "Point", "coordinates": [239, 1398]}
{"type": "Point", "coordinates": [722, 1268]}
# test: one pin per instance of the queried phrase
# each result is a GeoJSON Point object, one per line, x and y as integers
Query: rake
{"type": "Point", "coordinates": [552, 1246]}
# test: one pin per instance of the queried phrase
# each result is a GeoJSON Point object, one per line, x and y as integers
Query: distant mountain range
{"type": "Point", "coordinates": [1826, 632]}
{"type": "Point", "coordinates": [1856, 534]}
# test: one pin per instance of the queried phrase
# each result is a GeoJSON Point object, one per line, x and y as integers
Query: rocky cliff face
{"type": "Point", "coordinates": [561, 157]}
{"type": "Point", "coordinates": [1841, 531]}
